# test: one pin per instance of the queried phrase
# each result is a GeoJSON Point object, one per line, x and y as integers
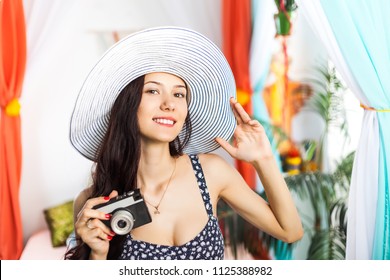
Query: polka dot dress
{"type": "Point", "coordinates": [207, 245]}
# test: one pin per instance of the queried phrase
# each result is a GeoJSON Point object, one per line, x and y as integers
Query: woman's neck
{"type": "Point", "coordinates": [155, 166]}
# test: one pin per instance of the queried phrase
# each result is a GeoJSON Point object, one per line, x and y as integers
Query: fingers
{"type": "Point", "coordinates": [240, 114]}
{"type": "Point", "coordinates": [90, 203]}
{"type": "Point", "coordinates": [237, 117]}
{"type": "Point", "coordinates": [85, 214]}
{"type": "Point", "coordinates": [113, 194]}
{"type": "Point", "coordinates": [93, 224]}
{"type": "Point", "coordinates": [225, 145]}
{"type": "Point", "coordinates": [255, 123]}
{"type": "Point", "coordinates": [92, 233]}
{"type": "Point", "coordinates": [90, 219]}
{"type": "Point", "coordinates": [93, 230]}
{"type": "Point", "coordinates": [89, 225]}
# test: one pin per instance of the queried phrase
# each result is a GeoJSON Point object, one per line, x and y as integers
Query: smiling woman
{"type": "Point", "coordinates": [152, 145]}
{"type": "Point", "coordinates": [164, 103]}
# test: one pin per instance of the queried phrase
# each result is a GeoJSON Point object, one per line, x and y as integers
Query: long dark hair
{"type": "Point", "coordinates": [119, 155]}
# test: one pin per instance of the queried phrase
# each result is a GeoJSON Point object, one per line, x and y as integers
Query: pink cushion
{"type": "Point", "coordinates": [39, 247]}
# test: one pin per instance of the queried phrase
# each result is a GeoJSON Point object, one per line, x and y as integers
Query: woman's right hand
{"type": "Point", "coordinates": [90, 228]}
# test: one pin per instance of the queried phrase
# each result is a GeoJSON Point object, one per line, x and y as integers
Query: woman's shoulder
{"type": "Point", "coordinates": [214, 164]}
{"type": "Point", "coordinates": [219, 173]}
{"type": "Point", "coordinates": [212, 158]}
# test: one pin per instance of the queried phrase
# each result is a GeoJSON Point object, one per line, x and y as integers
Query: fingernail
{"type": "Point", "coordinates": [112, 233]}
{"type": "Point", "coordinates": [106, 198]}
{"type": "Point", "coordinates": [109, 237]}
{"type": "Point", "coordinates": [108, 216]}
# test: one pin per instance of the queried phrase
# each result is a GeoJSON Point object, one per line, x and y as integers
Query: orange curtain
{"type": "Point", "coordinates": [237, 32]}
{"type": "Point", "coordinates": [12, 67]}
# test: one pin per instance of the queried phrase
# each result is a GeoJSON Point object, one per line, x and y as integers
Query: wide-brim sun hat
{"type": "Point", "coordinates": [178, 51]}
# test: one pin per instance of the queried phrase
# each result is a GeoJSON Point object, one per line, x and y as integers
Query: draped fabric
{"type": "Point", "coordinates": [48, 24]}
{"type": "Point", "coordinates": [261, 51]}
{"type": "Point", "coordinates": [236, 16]}
{"type": "Point", "coordinates": [12, 67]}
{"type": "Point", "coordinates": [261, 48]}
{"type": "Point", "coordinates": [356, 36]}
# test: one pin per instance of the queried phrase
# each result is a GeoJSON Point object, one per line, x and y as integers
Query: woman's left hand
{"type": "Point", "coordinates": [250, 140]}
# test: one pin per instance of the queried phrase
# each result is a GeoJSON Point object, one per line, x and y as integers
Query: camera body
{"type": "Point", "coordinates": [128, 211]}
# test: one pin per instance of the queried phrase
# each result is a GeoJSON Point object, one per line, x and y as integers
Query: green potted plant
{"type": "Point", "coordinates": [327, 196]}
{"type": "Point", "coordinates": [324, 193]}
{"type": "Point", "coordinates": [325, 228]}
{"type": "Point", "coordinates": [328, 103]}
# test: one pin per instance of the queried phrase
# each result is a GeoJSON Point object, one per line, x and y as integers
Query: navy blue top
{"type": "Point", "coordinates": [207, 245]}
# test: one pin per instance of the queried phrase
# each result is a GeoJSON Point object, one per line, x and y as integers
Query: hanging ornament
{"type": "Point", "coordinates": [283, 19]}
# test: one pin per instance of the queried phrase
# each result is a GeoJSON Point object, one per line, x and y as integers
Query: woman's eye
{"type": "Point", "coordinates": [179, 94]}
{"type": "Point", "coordinates": [152, 91]}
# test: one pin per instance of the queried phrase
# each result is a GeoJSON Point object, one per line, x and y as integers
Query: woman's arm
{"type": "Point", "coordinates": [279, 217]}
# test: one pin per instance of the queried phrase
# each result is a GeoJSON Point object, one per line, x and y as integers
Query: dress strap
{"type": "Point", "coordinates": [201, 183]}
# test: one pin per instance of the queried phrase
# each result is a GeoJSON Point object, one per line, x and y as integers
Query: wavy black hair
{"type": "Point", "coordinates": [118, 158]}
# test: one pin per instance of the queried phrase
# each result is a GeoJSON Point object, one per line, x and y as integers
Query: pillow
{"type": "Point", "coordinates": [60, 222]}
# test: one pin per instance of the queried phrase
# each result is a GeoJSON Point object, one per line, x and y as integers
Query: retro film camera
{"type": "Point", "coordinates": [128, 211]}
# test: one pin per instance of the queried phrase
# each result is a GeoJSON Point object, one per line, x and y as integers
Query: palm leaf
{"type": "Point", "coordinates": [327, 244]}
{"type": "Point", "coordinates": [344, 168]}
{"type": "Point", "coordinates": [328, 103]}
{"type": "Point", "coordinates": [326, 193]}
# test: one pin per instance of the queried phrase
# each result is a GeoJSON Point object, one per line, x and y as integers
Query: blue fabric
{"type": "Point", "coordinates": [263, 36]}
{"type": "Point", "coordinates": [381, 250]}
{"type": "Point", "coordinates": [207, 245]}
{"type": "Point", "coordinates": [262, 46]}
{"type": "Point", "coordinates": [361, 30]}
{"type": "Point", "coordinates": [262, 42]}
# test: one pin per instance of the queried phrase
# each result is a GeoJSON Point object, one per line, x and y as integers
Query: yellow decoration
{"type": "Point", "coordinates": [294, 160]}
{"type": "Point", "coordinates": [277, 102]}
{"type": "Point", "coordinates": [13, 108]}
{"type": "Point", "coordinates": [293, 172]}
{"type": "Point", "coordinates": [243, 97]}
{"type": "Point", "coordinates": [293, 165]}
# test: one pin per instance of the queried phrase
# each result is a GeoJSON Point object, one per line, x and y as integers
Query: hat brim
{"type": "Point", "coordinates": [179, 51]}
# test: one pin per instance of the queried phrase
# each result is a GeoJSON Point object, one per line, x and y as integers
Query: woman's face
{"type": "Point", "coordinates": [163, 108]}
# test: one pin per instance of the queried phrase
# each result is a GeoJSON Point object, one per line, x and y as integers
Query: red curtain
{"type": "Point", "coordinates": [12, 68]}
{"type": "Point", "coordinates": [237, 31]}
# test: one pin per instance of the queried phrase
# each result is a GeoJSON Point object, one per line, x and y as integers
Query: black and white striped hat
{"type": "Point", "coordinates": [175, 50]}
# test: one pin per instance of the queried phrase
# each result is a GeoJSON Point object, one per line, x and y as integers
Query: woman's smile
{"type": "Point", "coordinates": [165, 121]}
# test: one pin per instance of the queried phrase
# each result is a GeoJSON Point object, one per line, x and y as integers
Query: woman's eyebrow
{"type": "Point", "coordinates": [158, 83]}
{"type": "Point", "coordinates": [153, 82]}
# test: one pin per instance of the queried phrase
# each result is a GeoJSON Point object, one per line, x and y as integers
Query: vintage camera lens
{"type": "Point", "coordinates": [122, 222]}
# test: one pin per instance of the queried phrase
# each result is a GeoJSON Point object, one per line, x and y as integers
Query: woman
{"type": "Point", "coordinates": [148, 114]}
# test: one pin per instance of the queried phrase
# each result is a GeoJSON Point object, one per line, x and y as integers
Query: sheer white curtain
{"type": "Point", "coordinates": [364, 182]}
{"type": "Point", "coordinates": [47, 25]}
{"type": "Point", "coordinates": [47, 178]}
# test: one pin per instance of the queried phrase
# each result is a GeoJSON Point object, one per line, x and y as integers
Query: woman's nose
{"type": "Point", "coordinates": [168, 104]}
